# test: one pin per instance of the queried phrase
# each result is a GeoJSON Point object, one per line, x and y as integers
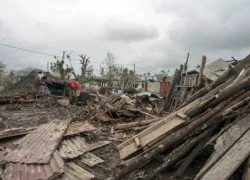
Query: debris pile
{"type": "Point", "coordinates": [120, 119]}
{"type": "Point", "coordinates": [22, 91]}
{"type": "Point", "coordinates": [117, 108]}
{"type": "Point", "coordinates": [50, 150]}
{"type": "Point", "coordinates": [217, 114]}
{"type": "Point", "coordinates": [127, 136]}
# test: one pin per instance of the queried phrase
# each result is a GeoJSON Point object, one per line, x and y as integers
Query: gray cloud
{"type": "Point", "coordinates": [129, 32]}
{"type": "Point", "coordinates": [153, 34]}
{"type": "Point", "coordinates": [211, 25]}
{"type": "Point", "coordinates": [1, 23]}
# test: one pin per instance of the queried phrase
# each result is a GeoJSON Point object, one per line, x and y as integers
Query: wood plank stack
{"type": "Point", "coordinates": [205, 117]}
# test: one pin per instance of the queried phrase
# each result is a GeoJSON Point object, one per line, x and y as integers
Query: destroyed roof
{"type": "Point", "coordinates": [26, 86]}
{"type": "Point", "coordinates": [54, 79]}
{"type": "Point", "coordinates": [215, 69]}
{"type": "Point", "coordinates": [25, 72]}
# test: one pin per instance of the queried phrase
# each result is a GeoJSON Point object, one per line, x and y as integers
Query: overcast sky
{"type": "Point", "coordinates": [153, 34]}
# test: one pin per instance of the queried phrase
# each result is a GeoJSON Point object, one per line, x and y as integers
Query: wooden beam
{"type": "Point", "coordinates": [148, 135]}
{"type": "Point", "coordinates": [225, 142]}
{"type": "Point", "coordinates": [226, 166]}
{"type": "Point", "coordinates": [177, 77]}
{"type": "Point", "coordinates": [203, 64]}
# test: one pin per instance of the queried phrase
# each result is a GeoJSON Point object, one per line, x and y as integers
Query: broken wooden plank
{"type": "Point", "coordinates": [137, 142]}
{"type": "Point", "coordinates": [135, 124]}
{"type": "Point", "coordinates": [90, 159]}
{"type": "Point", "coordinates": [148, 135]}
{"type": "Point", "coordinates": [233, 158]}
{"type": "Point", "coordinates": [39, 145]}
{"type": "Point", "coordinates": [181, 115]}
{"type": "Point", "coordinates": [226, 141]}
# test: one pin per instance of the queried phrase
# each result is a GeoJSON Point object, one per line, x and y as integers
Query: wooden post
{"type": "Point", "coordinates": [186, 64]}
{"type": "Point", "coordinates": [203, 63]}
{"type": "Point", "coordinates": [177, 78]}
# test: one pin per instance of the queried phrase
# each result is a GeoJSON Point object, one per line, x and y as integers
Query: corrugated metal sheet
{"type": "Point", "coordinates": [38, 146]}
{"type": "Point", "coordinates": [73, 147]}
{"type": "Point", "coordinates": [97, 145]}
{"type": "Point", "coordinates": [75, 172]}
{"type": "Point", "coordinates": [79, 127]}
{"type": "Point", "coordinates": [18, 171]}
{"type": "Point", "coordinates": [7, 133]}
{"type": "Point", "coordinates": [90, 159]}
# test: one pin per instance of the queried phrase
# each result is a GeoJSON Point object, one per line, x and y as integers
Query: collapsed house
{"type": "Point", "coordinates": [32, 86]}
{"type": "Point", "coordinates": [56, 85]}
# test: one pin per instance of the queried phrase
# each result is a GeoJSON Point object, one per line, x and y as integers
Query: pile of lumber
{"type": "Point", "coordinates": [116, 107]}
{"type": "Point", "coordinates": [216, 114]}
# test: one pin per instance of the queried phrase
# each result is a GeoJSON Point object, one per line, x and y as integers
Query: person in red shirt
{"type": "Point", "coordinates": [74, 90]}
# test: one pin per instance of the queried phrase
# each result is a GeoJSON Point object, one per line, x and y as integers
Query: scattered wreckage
{"type": "Point", "coordinates": [206, 136]}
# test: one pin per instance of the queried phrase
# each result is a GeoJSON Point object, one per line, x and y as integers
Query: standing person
{"type": "Point", "coordinates": [74, 90]}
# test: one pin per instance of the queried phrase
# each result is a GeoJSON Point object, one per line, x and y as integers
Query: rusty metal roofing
{"type": "Point", "coordinates": [73, 171]}
{"type": "Point", "coordinates": [73, 147]}
{"type": "Point", "coordinates": [97, 145]}
{"type": "Point", "coordinates": [90, 159]}
{"type": "Point", "coordinates": [7, 133]}
{"type": "Point", "coordinates": [21, 171]}
{"type": "Point", "coordinates": [39, 145]}
{"type": "Point", "coordinates": [79, 127]}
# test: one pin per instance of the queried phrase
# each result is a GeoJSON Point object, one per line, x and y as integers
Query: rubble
{"type": "Point", "coordinates": [182, 135]}
{"type": "Point", "coordinates": [116, 107]}
{"type": "Point", "coordinates": [129, 136]}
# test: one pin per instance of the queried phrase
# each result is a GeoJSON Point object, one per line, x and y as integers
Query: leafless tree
{"type": "Point", "coordinates": [2, 67]}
